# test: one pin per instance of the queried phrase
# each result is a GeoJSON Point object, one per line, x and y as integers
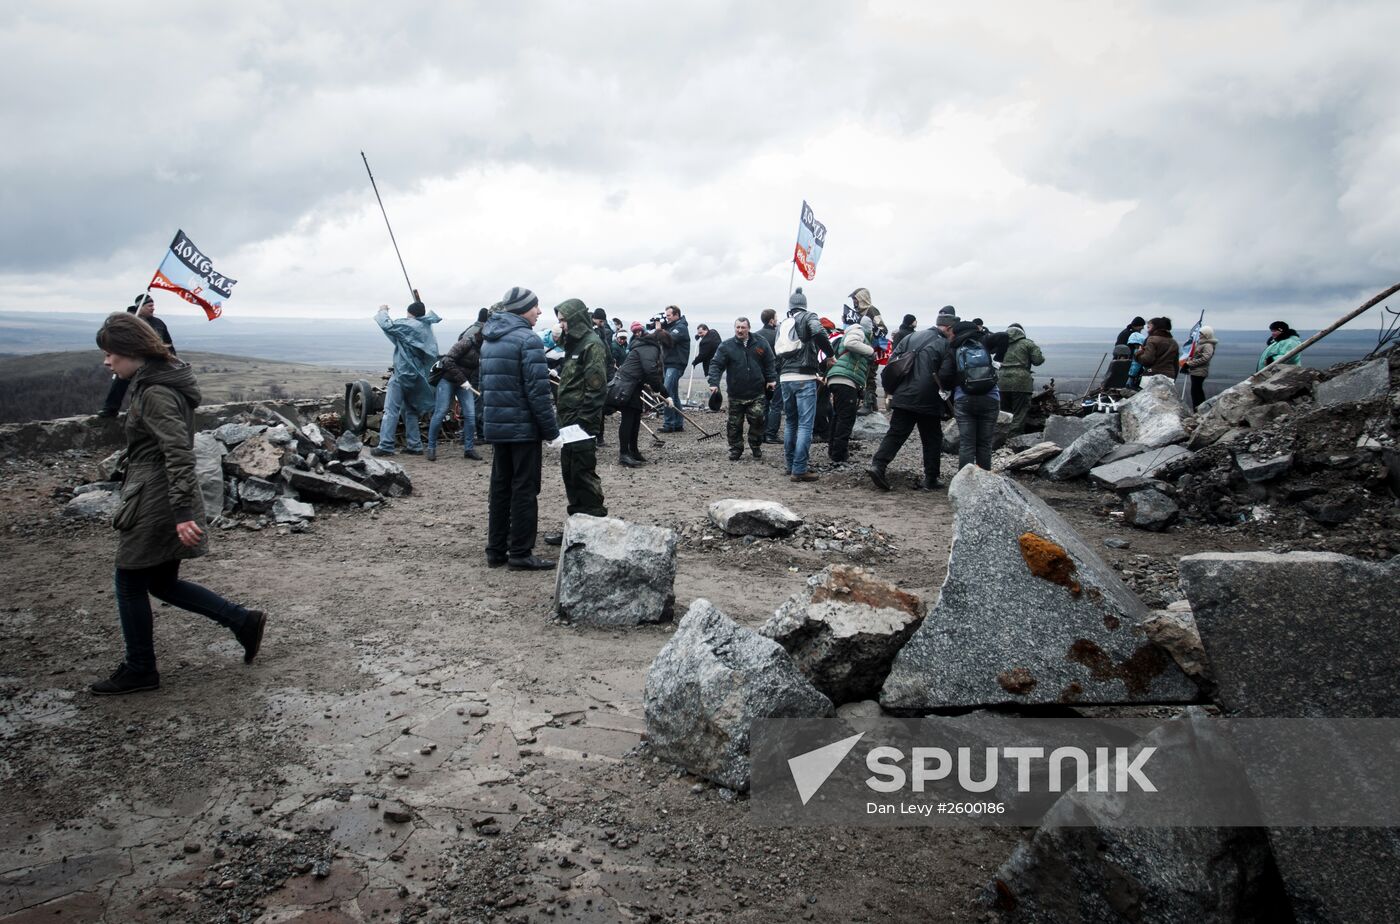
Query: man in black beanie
{"type": "Point", "coordinates": [519, 416]}
{"type": "Point", "coordinates": [144, 307]}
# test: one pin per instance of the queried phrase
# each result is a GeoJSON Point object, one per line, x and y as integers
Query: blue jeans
{"type": "Point", "coordinates": [672, 383]}
{"type": "Point", "coordinates": [393, 407]}
{"type": "Point", "coordinates": [774, 421]}
{"type": "Point", "coordinates": [446, 391]}
{"type": "Point", "coordinates": [134, 589]}
{"type": "Point", "coordinates": [800, 410]}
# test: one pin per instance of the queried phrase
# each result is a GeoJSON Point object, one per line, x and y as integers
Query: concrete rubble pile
{"type": "Point", "coordinates": [1317, 448]}
{"type": "Point", "coordinates": [262, 468]}
{"type": "Point", "coordinates": [1263, 653]}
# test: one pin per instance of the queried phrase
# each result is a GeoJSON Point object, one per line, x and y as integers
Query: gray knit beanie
{"type": "Point", "coordinates": [519, 300]}
{"type": "Point", "coordinates": [947, 317]}
{"type": "Point", "coordinates": [797, 299]}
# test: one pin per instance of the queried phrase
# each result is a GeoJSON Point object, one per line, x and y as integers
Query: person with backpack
{"type": "Point", "coordinates": [911, 381]}
{"type": "Point", "coordinates": [801, 344]}
{"type": "Point", "coordinates": [643, 367]}
{"type": "Point", "coordinates": [854, 354]}
{"type": "Point", "coordinates": [967, 372]}
{"type": "Point", "coordinates": [460, 367]}
{"type": "Point", "coordinates": [1015, 379]}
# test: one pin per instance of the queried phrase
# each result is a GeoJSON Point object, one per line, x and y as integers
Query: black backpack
{"type": "Point", "coordinates": [975, 373]}
{"type": "Point", "coordinates": [897, 370]}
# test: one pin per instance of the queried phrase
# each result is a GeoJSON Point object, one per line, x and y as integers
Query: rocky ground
{"type": "Point", "coordinates": [421, 741]}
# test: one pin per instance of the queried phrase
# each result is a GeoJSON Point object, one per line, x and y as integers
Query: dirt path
{"type": "Point", "coordinates": [399, 673]}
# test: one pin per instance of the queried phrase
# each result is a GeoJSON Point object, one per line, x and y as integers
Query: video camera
{"type": "Point", "coordinates": [655, 319]}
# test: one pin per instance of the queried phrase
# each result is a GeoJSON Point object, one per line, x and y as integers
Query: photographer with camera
{"type": "Point", "coordinates": [675, 362]}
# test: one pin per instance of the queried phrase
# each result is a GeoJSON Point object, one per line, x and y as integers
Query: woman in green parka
{"type": "Point", "coordinates": [1282, 339]}
{"type": "Point", "coordinates": [161, 515]}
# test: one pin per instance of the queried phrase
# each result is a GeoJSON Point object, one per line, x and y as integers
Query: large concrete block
{"type": "Point", "coordinates": [1028, 613]}
{"type": "Point", "coordinates": [709, 684]}
{"type": "Point", "coordinates": [614, 573]}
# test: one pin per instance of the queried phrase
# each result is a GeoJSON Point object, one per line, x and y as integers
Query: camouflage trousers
{"type": "Point", "coordinates": [754, 412]}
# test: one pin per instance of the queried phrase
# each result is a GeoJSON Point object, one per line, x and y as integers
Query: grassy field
{"type": "Point", "coordinates": [45, 385]}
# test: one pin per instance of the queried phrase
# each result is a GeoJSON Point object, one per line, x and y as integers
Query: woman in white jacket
{"type": "Point", "coordinates": [1198, 366]}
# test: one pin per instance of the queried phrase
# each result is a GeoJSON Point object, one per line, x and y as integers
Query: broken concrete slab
{"type": "Point", "coordinates": [1081, 455]}
{"type": "Point", "coordinates": [286, 510]}
{"type": "Point", "coordinates": [844, 629]}
{"type": "Point", "coordinates": [1034, 455]}
{"type": "Point", "coordinates": [255, 495]}
{"type": "Point", "coordinates": [1124, 451]}
{"type": "Point", "coordinates": [1257, 469]}
{"type": "Point", "coordinates": [870, 427]}
{"type": "Point", "coordinates": [615, 573]}
{"type": "Point", "coordinates": [1023, 441]}
{"type": "Point", "coordinates": [1364, 383]}
{"type": "Point", "coordinates": [384, 475]}
{"type": "Point", "coordinates": [255, 457]}
{"type": "Point", "coordinates": [93, 505]}
{"type": "Point", "coordinates": [232, 434]}
{"type": "Point", "coordinates": [1274, 655]}
{"type": "Point", "coordinates": [1282, 383]}
{"type": "Point", "coordinates": [1154, 416]}
{"type": "Point", "coordinates": [1143, 465]}
{"type": "Point", "coordinates": [1065, 430]}
{"type": "Point", "coordinates": [1226, 412]}
{"type": "Point", "coordinates": [1257, 418]}
{"type": "Point", "coordinates": [1000, 433]}
{"type": "Point", "coordinates": [739, 517]}
{"type": "Point", "coordinates": [1083, 865]}
{"type": "Point", "coordinates": [1174, 629]}
{"type": "Point", "coordinates": [1057, 624]}
{"type": "Point", "coordinates": [709, 684]}
{"type": "Point", "coordinates": [1150, 509]}
{"type": "Point", "coordinates": [347, 448]}
{"type": "Point", "coordinates": [328, 486]}
{"type": "Point", "coordinates": [209, 471]}
{"type": "Point", "coordinates": [1278, 650]}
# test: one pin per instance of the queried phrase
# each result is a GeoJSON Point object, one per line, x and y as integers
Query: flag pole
{"type": "Point", "coordinates": [412, 291]}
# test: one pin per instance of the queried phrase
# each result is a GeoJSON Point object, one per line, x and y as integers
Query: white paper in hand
{"type": "Point", "coordinates": [573, 433]}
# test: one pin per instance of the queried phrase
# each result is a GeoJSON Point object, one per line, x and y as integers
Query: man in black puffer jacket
{"type": "Point", "coordinates": [915, 403]}
{"type": "Point", "coordinates": [519, 415]}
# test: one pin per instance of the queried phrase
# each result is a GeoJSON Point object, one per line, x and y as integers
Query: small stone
{"type": "Point", "coordinates": [1115, 543]}
{"type": "Point", "coordinates": [192, 847]}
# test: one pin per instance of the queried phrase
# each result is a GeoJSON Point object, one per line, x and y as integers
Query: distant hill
{"type": "Point", "coordinates": [41, 386]}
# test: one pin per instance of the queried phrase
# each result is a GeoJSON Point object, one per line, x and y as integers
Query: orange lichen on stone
{"type": "Point", "coordinates": [1049, 562]}
{"type": "Point", "coordinates": [1018, 680]}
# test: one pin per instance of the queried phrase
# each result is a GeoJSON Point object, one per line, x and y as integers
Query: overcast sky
{"type": "Point", "coordinates": [1032, 162]}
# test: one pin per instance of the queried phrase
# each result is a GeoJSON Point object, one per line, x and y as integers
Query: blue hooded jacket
{"type": "Point", "coordinates": [515, 394]}
{"type": "Point", "coordinates": [415, 351]}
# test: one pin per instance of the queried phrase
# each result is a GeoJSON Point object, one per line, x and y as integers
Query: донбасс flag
{"type": "Point", "coordinates": [811, 236]}
{"type": "Point", "coordinates": [188, 273]}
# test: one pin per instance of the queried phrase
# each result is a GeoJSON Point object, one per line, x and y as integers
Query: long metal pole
{"type": "Point", "coordinates": [411, 291]}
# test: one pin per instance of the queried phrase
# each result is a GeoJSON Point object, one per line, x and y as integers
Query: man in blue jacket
{"type": "Point", "coordinates": [409, 394]}
{"type": "Point", "coordinates": [519, 416]}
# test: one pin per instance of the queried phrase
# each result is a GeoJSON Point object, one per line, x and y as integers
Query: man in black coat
{"type": "Point", "coordinates": [748, 361]}
{"type": "Point", "coordinates": [709, 343]}
{"type": "Point", "coordinates": [144, 308]}
{"type": "Point", "coordinates": [1133, 327]}
{"type": "Point", "coordinates": [519, 415]}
